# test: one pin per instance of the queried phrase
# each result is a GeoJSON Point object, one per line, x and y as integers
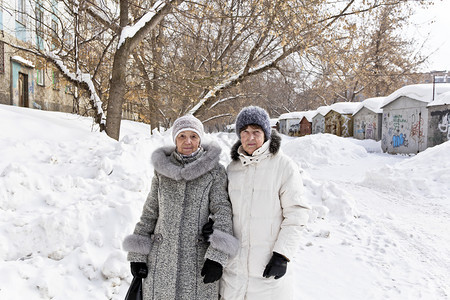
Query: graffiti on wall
{"type": "Point", "coordinates": [345, 125]}
{"type": "Point", "coordinates": [439, 126]}
{"type": "Point", "coordinates": [399, 140]}
{"type": "Point", "coordinates": [366, 126]}
{"type": "Point", "coordinates": [417, 129]}
{"type": "Point", "coordinates": [294, 129]}
{"type": "Point", "coordinates": [443, 125]}
{"type": "Point", "coordinates": [333, 124]}
{"type": "Point", "coordinates": [370, 130]}
{"type": "Point", "coordinates": [398, 122]}
{"type": "Point", "coordinates": [319, 124]}
{"type": "Point", "coordinates": [360, 127]}
{"type": "Point", "coordinates": [406, 130]}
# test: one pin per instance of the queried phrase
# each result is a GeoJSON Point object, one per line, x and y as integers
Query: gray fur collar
{"type": "Point", "coordinates": [274, 146]}
{"type": "Point", "coordinates": [165, 164]}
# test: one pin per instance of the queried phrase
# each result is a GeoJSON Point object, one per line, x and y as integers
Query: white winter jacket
{"type": "Point", "coordinates": [269, 211]}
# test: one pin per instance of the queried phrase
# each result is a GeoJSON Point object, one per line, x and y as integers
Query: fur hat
{"type": "Point", "coordinates": [187, 122]}
{"type": "Point", "coordinates": [253, 115]}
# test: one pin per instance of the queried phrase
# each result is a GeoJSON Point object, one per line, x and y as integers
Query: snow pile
{"type": "Point", "coordinates": [312, 151]}
{"type": "Point", "coordinates": [322, 149]}
{"type": "Point", "coordinates": [426, 174]}
{"type": "Point", "coordinates": [67, 198]}
{"type": "Point", "coordinates": [371, 146]}
{"type": "Point", "coordinates": [328, 200]}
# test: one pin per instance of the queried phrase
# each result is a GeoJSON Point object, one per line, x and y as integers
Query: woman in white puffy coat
{"type": "Point", "coordinates": [269, 211]}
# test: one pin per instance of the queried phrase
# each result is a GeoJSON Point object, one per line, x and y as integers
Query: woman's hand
{"type": "Point", "coordinates": [207, 230]}
{"type": "Point", "coordinates": [212, 271]}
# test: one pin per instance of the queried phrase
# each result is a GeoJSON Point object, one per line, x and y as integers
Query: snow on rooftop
{"type": "Point", "coordinates": [291, 115]}
{"type": "Point", "coordinates": [420, 92]}
{"type": "Point", "coordinates": [299, 115]}
{"type": "Point", "coordinates": [22, 61]}
{"type": "Point", "coordinates": [442, 99]}
{"type": "Point", "coordinates": [344, 108]}
{"type": "Point", "coordinates": [310, 114]}
{"type": "Point", "coordinates": [323, 110]}
{"type": "Point", "coordinates": [373, 104]}
{"type": "Point", "coordinates": [273, 122]}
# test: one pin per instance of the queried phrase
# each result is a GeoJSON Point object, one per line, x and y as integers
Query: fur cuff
{"type": "Point", "coordinates": [224, 242]}
{"type": "Point", "coordinates": [137, 243]}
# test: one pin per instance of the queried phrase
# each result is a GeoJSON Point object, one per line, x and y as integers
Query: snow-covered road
{"type": "Point", "coordinates": [397, 246]}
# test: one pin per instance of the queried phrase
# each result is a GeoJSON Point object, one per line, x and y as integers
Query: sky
{"type": "Point", "coordinates": [378, 227]}
{"type": "Point", "coordinates": [435, 21]}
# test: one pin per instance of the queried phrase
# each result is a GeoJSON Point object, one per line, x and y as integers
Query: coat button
{"type": "Point", "coordinates": [158, 238]}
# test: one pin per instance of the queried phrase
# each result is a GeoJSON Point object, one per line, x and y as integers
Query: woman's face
{"type": "Point", "coordinates": [252, 138]}
{"type": "Point", "coordinates": [187, 142]}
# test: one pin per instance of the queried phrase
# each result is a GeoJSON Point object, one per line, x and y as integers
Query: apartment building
{"type": "Point", "coordinates": [28, 30]}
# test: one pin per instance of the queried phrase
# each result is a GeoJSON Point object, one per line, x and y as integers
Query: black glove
{"type": "Point", "coordinates": [212, 271]}
{"type": "Point", "coordinates": [276, 267]}
{"type": "Point", "coordinates": [139, 269]}
{"type": "Point", "coordinates": [207, 230]}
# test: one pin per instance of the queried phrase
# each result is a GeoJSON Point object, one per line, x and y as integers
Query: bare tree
{"type": "Point", "coordinates": [288, 28]}
{"type": "Point", "coordinates": [119, 69]}
{"type": "Point", "coordinates": [281, 29]}
{"type": "Point", "coordinates": [366, 57]}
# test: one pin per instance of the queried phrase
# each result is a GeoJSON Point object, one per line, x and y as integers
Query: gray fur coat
{"type": "Point", "coordinates": [184, 193]}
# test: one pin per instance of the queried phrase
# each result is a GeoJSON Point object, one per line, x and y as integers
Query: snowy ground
{"type": "Point", "coordinates": [68, 195]}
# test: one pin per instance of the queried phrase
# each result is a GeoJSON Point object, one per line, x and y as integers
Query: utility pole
{"type": "Point", "coordinates": [76, 100]}
{"type": "Point", "coordinates": [434, 86]}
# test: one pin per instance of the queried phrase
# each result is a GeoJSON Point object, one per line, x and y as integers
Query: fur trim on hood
{"type": "Point", "coordinates": [274, 146]}
{"type": "Point", "coordinates": [165, 164]}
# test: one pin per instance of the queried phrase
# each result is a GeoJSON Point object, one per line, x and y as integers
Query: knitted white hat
{"type": "Point", "coordinates": [187, 122]}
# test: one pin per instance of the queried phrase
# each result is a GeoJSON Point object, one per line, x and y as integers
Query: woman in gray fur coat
{"type": "Point", "coordinates": [167, 247]}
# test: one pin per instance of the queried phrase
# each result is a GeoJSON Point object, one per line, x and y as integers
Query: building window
{"type": "Point", "coordinates": [55, 7]}
{"type": "Point", "coordinates": [1, 15]}
{"type": "Point", "coordinates": [2, 57]}
{"type": "Point", "coordinates": [21, 12]}
{"type": "Point", "coordinates": [54, 34]}
{"type": "Point", "coordinates": [40, 77]}
{"type": "Point", "coordinates": [69, 89]}
{"type": "Point", "coordinates": [68, 39]}
{"type": "Point", "coordinates": [55, 79]}
{"type": "Point", "coordinates": [39, 26]}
